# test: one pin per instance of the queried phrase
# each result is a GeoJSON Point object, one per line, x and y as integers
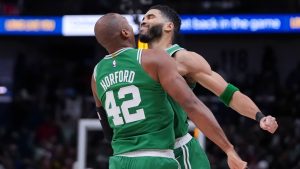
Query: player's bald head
{"type": "Point", "coordinates": [108, 29]}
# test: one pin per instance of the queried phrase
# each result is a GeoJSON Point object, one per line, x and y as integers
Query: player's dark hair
{"type": "Point", "coordinates": [171, 15]}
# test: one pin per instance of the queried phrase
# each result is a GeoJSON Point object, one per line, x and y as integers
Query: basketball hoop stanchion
{"type": "Point", "coordinates": [86, 125]}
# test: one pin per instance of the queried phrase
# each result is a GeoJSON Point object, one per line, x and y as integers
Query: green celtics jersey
{"type": "Point", "coordinates": [136, 105]}
{"type": "Point", "coordinates": [173, 49]}
{"type": "Point", "coordinates": [180, 119]}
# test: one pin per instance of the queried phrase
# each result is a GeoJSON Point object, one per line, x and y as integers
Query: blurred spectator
{"type": "Point", "coordinates": [10, 7]}
{"type": "Point", "coordinates": [72, 104]}
{"type": "Point", "coordinates": [1, 7]}
{"type": "Point", "coordinates": [47, 131]}
{"type": "Point", "coordinates": [292, 91]}
{"type": "Point", "coordinates": [267, 81]}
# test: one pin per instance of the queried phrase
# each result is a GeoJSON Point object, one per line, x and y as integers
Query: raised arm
{"type": "Point", "coordinates": [173, 83]}
{"type": "Point", "coordinates": [196, 67]}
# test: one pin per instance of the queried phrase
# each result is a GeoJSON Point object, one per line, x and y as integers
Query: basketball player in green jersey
{"type": "Point", "coordinates": [158, 28]}
{"type": "Point", "coordinates": [132, 86]}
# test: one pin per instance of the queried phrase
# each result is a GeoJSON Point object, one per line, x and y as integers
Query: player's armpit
{"type": "Point", "coordinates": [172, 82]}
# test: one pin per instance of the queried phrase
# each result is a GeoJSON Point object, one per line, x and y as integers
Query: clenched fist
{"type": "Point", "coordinates": [269, 123]}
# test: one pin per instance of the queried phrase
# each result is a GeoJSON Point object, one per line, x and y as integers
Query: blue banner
{"type": "Point", "coordinates": [230, 24]}
{"type": "Point", "coordinates": [30, 25]}
{"type": "Point", "coordinates": [75, 25]}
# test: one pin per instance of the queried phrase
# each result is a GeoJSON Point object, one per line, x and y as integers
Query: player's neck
{"type": "Point", "coordinates": [115, 48]}
{"type": "Point", "coordinates": [161, 43]}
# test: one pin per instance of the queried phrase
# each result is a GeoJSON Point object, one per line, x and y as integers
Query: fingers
{"type": "Point", "coordinates": [269, 123]}
{"type": "Point", "coordinates": [245, 165]}
{"type": "Point", "coordinates": [269, 119]}
{"type": "Point", "coordinates": [273, 127]}
{"type": "Point", "coordinates": [242, 165]}
{"type": "Point", "coordinates": [235, 162]}
{"type": "Point", "coordinates": [238, 166]}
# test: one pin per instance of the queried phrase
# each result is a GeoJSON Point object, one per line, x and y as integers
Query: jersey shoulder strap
{"type": "Point", "coordinates": [173, 49]}
{"type": "Point", "coordinates": [139, 56]}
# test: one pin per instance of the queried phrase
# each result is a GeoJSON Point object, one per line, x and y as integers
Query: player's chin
{"type": "Point", "coordinates": [144, 38]}
{"type": "Point", "coordinates": [142, 33]}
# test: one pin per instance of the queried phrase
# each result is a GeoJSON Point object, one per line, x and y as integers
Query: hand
{"type": "Point", "coordinates": [234, 161]}
{"type": "Point", "coordinates": [268, 123]}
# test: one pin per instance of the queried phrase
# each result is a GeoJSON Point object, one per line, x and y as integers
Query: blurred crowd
{"type": "Point", "coordinates": [39, 130]}
{"type": "Point", "coordinates": [75, 7]}
{"type": "Point", "coordinates": [10, 7]}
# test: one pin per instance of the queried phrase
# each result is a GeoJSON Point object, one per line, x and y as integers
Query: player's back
{"type": "Point", "coordinates": [136, 105]}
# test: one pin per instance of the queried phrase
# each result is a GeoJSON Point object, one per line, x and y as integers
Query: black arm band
{"type": "Point", "coordinates": [259, 116]}
{"type": "Point", "coordinates": [107, 130]}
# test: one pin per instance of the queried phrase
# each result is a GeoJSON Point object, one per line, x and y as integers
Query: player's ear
{"type": "Point", "coordinates": [169, 26]}
{"type": "Point", "coordinates": [125, 33]}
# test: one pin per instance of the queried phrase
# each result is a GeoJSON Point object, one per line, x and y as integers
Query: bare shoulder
{"type": "Point", "coordinates": [193, 61]}
{"type": "Point", "coordinates": [154, 52]}
{"type": "Point", "coordinates": [154, 56]}
{"type": "Point", "coordinates": [185, 55]}
{"type": "Point", "coordinates": [153, 60]}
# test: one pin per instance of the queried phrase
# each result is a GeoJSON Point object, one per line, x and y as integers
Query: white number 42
{"type": "Point", "coordinates": [114, 111]}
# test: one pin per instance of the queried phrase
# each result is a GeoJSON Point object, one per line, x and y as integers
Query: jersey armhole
{"type": "Point", "coordinates": [95, 72]}
{"type": "Point", "coordinates": [172, 54]}
{"type": "Point", "coordinates": [139, 56]}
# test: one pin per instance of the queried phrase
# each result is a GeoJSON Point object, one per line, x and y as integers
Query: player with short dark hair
{"type": "Point", "coordinates": [158, 28]}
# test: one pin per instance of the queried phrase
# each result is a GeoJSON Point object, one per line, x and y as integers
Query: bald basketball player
{"type": "Point", "coordinates": [131, 87]}
{"type": "Point", "coordinates": [158, 28]}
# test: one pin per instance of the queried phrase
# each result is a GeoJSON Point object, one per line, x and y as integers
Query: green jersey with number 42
{"type": "Point", "coordinates": [136, 105]}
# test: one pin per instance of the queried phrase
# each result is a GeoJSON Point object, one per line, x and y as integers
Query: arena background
{"type": "Point", "coordinates": [45, 82]}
